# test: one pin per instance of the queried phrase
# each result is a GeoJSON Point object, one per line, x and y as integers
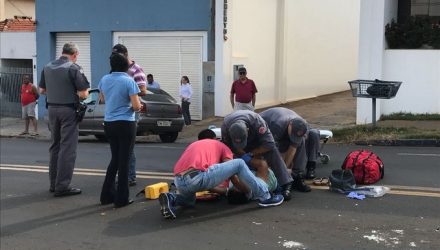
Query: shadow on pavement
{"type": "Point", "coordinates": [152, 221]}
{"type": "Point", "coordinates": [56, 218]}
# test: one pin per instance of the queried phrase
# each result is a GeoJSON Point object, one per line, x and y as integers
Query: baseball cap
{"type": "Point", "coordinates": [238, 132]}
{"type": "Point", "coordinates": [299, 129]}
{"type": "Point", "coordinates": [120, 48]}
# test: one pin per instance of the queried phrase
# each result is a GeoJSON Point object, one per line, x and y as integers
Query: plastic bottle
{"type": "Point", "coordinates": [372, 191]}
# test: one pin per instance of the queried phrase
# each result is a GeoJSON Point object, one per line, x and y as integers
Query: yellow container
{"type": "Point", "coordinates": [153, 191]}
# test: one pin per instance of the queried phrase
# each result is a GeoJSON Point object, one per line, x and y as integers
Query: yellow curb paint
{"type": "Point", "coordinates": [82, 169]}
{"type": "Point", "coordinates": [396, 190]}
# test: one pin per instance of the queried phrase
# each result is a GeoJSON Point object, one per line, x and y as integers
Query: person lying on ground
{"type": "Point", "coordinates": [259, 167]}
{"type": "Point", "coordinates": [204, 165]}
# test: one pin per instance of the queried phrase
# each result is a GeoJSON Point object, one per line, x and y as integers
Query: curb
{"type": "Point", "coordinates": [401, 142]}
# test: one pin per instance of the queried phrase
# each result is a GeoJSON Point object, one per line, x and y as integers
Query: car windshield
{"type": "Point", "coordinates": [158, 95]}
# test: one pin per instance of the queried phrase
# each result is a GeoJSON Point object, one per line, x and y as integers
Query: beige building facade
{"type": "Point", "coordinates": [11, 8]}
{"type": "Point", "coordinates": [291, 49]}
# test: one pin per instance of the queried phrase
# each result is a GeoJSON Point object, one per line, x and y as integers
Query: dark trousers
{"type": "Point", "coordinates": [121, 135]}
{"type": "Point", "coordinates": [185, 111]}
{"type": "Point", "coordinates": [64, 136]}
{"type": "Point", "coordinates": [308, 150]}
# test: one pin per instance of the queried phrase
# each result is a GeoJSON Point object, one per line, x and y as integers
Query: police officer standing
{"type": "Point", "coordinates": [298, 144]}
{"type": "Point", "coordinates": [247, 134]}
{"type": "Point", "coordinates": [63, 82]}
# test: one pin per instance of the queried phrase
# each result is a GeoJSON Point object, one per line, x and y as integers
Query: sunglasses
{"type": "Point", "coordinates": [242, 73]}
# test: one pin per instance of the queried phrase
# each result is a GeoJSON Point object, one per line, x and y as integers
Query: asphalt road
{"type": "Point", "coordinates": [31, 218]}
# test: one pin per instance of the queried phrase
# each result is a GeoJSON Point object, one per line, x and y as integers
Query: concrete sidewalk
{"type": "Point", "coordinates": [332, 111]}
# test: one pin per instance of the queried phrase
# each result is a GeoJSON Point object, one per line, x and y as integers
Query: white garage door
{"type": "Point", "coordinates": [168, 58]}
{"type": "Point", "coordinates": [83, 42]}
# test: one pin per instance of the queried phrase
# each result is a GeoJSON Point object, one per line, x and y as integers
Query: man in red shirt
{"type": "Point", "coordinates": [244, 90]}
{"type": "Point", "coordinates": [29, 96]}
{"type": "Point", "coordinates": [203, 166]}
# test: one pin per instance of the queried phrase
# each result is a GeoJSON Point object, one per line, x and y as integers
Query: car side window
{"type": "Point", "coordinates": [93, 98]}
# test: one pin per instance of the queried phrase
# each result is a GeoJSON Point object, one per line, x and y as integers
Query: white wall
{"type": "Point", "coordinates": [17, 45]}
{"type": "Point", "coordinates": [374, 16]}
{"type": "Point", "coordinates": [419, 70]}
{"type": "Point", "coordinates": [251, 42]}
{"type": "Point", "coordinates": [322, 46]}
{"type": "Point", "coordinates": [291, 49]}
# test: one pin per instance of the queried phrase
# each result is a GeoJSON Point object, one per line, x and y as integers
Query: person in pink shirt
{"type": "Point", "coordinates": [203, 166]}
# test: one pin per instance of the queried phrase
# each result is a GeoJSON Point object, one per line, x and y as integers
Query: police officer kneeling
{"type": "Point", "coordinates": [247, 134]}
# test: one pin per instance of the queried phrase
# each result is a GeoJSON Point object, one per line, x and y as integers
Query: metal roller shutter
{"type": "Point", "coordinates": [169, 58]}
{"type": "Point", "coordinates": [83, 42]}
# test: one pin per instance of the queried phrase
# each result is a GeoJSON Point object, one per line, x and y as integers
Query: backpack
{"type": "Point", "coordinates": [366, 166]}
{"type": "Point", "coordinates": [342, 181]}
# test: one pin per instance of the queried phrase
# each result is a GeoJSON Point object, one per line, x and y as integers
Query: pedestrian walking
{"type": "Point", "coordinates": [138, 75]}
{"type": "Point", "coordinates": [120, 94]}
{"type": "Point", "coordinates": [185, 94]}
{"type": "Point", "coordinates": [29, 97]}
{"type": "Point", "coordinates": [244, 90]}
{"type": "Point", "coordinates": [64, 84]}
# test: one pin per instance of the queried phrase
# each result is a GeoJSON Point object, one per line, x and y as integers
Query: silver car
{"type": "Point", "coordinates": [160, 115]}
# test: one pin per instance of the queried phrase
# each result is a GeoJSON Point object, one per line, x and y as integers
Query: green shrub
{"type": "Point", "coordinates": [412, 34]}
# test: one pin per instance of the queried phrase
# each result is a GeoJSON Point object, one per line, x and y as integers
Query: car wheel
{"type": "Point", "coordinates": [168, 137]}
{"type": "Point", "coordinates": [101, 138]}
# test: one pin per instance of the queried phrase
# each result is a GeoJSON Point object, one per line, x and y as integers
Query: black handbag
{"type": "Point", "coordinates": [342, 181]}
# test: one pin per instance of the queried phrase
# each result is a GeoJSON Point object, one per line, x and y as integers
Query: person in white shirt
{"type": "Point", "coordinates": [185, 94]}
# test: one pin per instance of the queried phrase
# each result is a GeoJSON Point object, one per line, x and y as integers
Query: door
{"type": "Point", "coordinates": [169, 56]}
{"type": "Point", "coordinates": [83, 42]}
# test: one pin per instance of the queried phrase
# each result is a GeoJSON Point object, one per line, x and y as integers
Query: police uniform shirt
{"type": "Point", "coordinates": [278, 120]}
{"type": "Point", "coordinates": [258, 135]}
{"type": "Point", "coordinates": [62, 79]}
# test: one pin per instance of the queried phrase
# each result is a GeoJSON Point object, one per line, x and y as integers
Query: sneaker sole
{"type": "Point", "coordinates": [271, 204]}
{"type": "Point", "coordinates": [165, 207]}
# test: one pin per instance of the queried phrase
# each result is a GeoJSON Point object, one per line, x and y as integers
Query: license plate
{"type": "Point", "coordinates": [163, 123]}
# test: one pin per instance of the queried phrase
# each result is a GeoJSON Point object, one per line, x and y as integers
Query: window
{"type": "Point", "coordinates": [427, 8]}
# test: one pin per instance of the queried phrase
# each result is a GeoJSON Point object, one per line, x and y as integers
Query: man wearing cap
{"type": "Point", "coordinates": [138, 75]}
{"type": "Point", "coordinates": [298, 144]}
{"type": "Point", "coordinates": [244, 90]}
{"type": "Point", "coordinates": [247, 134]}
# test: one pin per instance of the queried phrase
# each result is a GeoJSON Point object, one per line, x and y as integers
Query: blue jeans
{"type": "Point", "coordinates": [215, 175]}
{"type": "Point", "coordinates": [132, 161]}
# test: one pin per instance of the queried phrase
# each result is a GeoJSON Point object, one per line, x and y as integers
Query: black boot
{"type": "Point", "coordinates": [310, 174]}
{"type": "Point", "coordinates": [287, 190]}
{"type": "Point", "coordinates": [299, 185]}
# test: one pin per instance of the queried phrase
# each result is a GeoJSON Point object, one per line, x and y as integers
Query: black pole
{"type": "Point", "coordinates": [374, 112]}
